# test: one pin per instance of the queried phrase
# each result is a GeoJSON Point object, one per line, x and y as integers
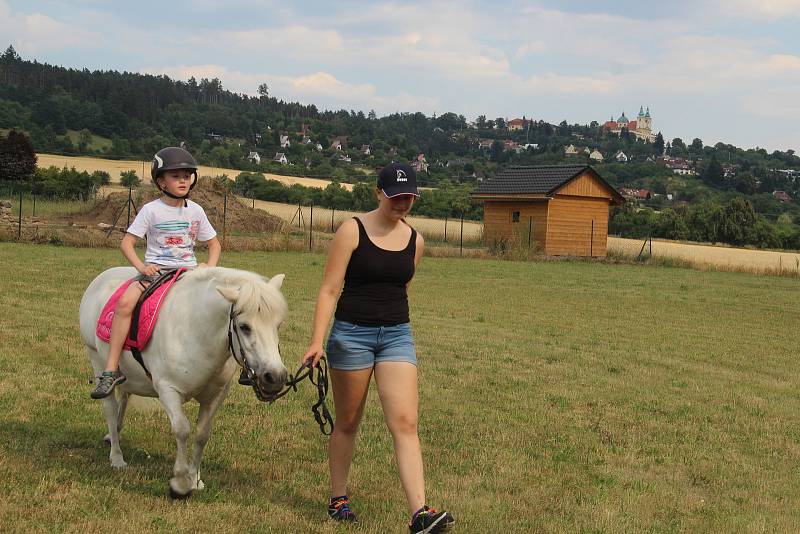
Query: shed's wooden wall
{"type": "Point", "coordinates": [569, 226]}
{"type": "Point", "coordinates": [585, 185]}
{"type": "Point", "coordinates": [497, 221]}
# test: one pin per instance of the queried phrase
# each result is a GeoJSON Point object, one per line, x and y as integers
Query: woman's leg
{"type": "Point", "coordinates": [397, 387]}
{"type": "Point", "coordinates": [121, 324]}
{"type": "Point", "coordinates": [349, 395]}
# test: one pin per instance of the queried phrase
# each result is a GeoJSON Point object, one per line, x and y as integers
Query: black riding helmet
{"type": "Point", "coordinates": [170, 159]}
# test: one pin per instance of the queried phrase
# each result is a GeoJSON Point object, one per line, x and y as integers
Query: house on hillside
{"type": "Point", "coordinates": [516, 124]}
{"type": "Point", "coordinates": [563, 208]}
{"type": "Point", "coordinates": [255, 157]}
{"type": "Point", "coordinates": [285, 143]}
{"type": "Point", "coordinates": [678, 165]}
{"type": "Point", "coordinates": [783, 196]}
{"type": "Point", "coordinates": [365, 150]}
{"type": "Point", "coordinates": [280, 157]}
{"type": "Point", "coordinates": [419, 164]}
{"type": "Point", "coordinates": [621, 157]}
{"type": "Point", "coordinates": [636, 194]}
{"type": "Point", "coordinates": [596, 155]}
{"type": "Point", "coordinates": [339, 143]}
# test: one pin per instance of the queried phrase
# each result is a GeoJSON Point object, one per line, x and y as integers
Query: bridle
{"type": "Point", "coordinates": [320, 410]}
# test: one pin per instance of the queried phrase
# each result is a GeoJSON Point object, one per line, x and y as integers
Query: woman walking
{"type": "Point", "coordinates": [371, 262]}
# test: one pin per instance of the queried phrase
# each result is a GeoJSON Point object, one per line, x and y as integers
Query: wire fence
{"type": "Point", "coordinates": [241, 222]}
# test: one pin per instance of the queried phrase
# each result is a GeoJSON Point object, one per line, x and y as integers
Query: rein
{"type": "Point", "coordinates": [320, 410]}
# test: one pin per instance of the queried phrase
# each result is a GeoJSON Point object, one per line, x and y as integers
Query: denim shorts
{"type": "Point", "coordinates": [352, 347]}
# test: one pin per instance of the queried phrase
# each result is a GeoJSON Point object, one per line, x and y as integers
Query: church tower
{"type": "Point", "coordinates": [644, 121]}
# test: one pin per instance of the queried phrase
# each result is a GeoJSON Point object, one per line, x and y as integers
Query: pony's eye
{"type": "Point", "coordinates": [245, 328]}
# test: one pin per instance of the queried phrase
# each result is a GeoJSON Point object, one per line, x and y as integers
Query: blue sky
{"type": "Point", "coordinates": [721, 70]}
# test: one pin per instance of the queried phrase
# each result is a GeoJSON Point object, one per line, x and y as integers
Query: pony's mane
{"type": "Point", "coordinates": [256, 294]}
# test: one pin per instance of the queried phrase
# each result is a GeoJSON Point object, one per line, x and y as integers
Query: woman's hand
{"type": "Point", "coordinates": [149, 270]}
{"type": "Point", "coordinates": [312, 356]}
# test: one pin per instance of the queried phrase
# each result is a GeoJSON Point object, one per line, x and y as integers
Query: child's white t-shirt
{"type": "Point", "coordinates": [172, 232]}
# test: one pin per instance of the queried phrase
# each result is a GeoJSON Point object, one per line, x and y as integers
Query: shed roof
{"type": "Point", "coordinates": [536, 180]}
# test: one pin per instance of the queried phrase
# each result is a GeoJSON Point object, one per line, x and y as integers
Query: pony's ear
{"type": "Point", "coordinates": [277, 280]}
{"type": "Point", "coordinates": [229, 293]}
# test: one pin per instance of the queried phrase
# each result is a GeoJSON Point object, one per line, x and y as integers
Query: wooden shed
{"type": "Point", "coordinates": [563, 209]}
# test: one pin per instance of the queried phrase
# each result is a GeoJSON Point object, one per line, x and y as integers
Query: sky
{"type": "Point", "coordinates": [721, 70]}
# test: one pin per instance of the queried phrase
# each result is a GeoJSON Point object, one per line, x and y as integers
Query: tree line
{"type": "Point", "coordinates": [449, 201]}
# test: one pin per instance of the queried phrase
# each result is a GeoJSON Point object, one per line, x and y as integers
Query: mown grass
{"type": "Point", "coordinates": [556, 397]}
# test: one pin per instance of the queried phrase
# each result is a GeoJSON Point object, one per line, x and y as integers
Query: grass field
{"type": "Point", "coordinates": [556, 397]}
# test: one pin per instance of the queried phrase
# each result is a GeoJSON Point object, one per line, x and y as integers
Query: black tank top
{"type": "Point", "coordinates": [374, 292]}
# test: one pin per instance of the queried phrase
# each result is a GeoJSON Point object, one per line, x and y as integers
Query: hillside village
{"type": "Point", "coordinates": [130, 116]}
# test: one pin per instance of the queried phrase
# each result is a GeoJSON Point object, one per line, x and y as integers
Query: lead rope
{"type": "Point", "coordinates": [320, 409]}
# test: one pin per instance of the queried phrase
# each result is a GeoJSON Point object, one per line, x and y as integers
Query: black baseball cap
{"type": "Point", "coordinates": [398, 179]}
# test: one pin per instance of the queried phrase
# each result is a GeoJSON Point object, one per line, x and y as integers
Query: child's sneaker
{"type": "Point", "coordinates": [339, 509]}
{"type": "Point", "coordinates": [106, 383]}
{"type": "Point", "coordinates": [427, 520]}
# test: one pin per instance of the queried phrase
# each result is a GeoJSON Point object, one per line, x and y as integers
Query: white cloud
{"type": "Point", "coordinates": [530, 48]}
{"type": "Point", "coordinates": [770, 10]}
{"type": "Point", "coordinates": [292, 41]}
{"type": "Point", "coordinates": [320, 88]}
{"type": "Point", "coordinates": [36, 33]}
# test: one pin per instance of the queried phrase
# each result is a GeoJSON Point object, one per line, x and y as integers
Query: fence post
{"type": "Point", "coordinates": [34, 205]}
{"type": "Point", "coordinates": [310, 226]}
{"type": "Point", "coordinates": [333, 210]}
{"type": "Point", "coordinates": [19, 222]}
{"type": "Point", "coordinates": [224, 218]}
{"type": "Point", "coordinates": [445, 228]}
{"type": "Point", "coordinates": [591, 241]}
{"type": "Point", "coordinates": [130, 201]}
{"type": "Point", "coordinates": [530, 227]}
{"type": "Point", "coordinates": [461, 244]}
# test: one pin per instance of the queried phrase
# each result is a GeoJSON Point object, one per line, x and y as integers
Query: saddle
{"type": "Point", "coordinates": [144, 316]}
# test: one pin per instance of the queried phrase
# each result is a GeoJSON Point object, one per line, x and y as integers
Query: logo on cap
{"type": "Point", "coordinates": [160, 162]}
{"type": "Point", "coordinates": [401, 176]}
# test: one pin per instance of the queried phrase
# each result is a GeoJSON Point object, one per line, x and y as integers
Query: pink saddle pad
{"type": "Point", "coordinates": [147, 315]}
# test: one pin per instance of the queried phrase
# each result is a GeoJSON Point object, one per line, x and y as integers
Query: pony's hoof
{"type": "Point", "coordinates": [107, 439]}
{"type": "Point", "coordinates": [119, 464]}
{"type": "Point", "coordinates": [175, 496]}
{"type": "Point", "coordinates": [200, 485]}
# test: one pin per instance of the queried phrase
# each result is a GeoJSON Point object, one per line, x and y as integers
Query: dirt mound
{"type": "Point", "coordinates": [236, 216]}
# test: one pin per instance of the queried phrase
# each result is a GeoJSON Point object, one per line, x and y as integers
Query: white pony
{"type": "Point", "coordinates": [189, 355]}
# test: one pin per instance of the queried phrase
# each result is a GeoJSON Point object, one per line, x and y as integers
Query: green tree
{"type": "Point", "coordinates": [737, 221]}
{"type": "Point", "coordinates": [84, 139]}
{"type": "Point", "coordinates": [17, 157]}
{"type": "Point", "coordinates": [129, 179]}
{"type": "Point", "coordinates": [746, 183]}
{"type": "Point", "coordinates": [658, 145]}
{"type": "Point", "coordinates": [101, 177]}
{"type": "Point", "coordinates": [713, 173]}
{"type": "Point", "coordinates": [363, 197]}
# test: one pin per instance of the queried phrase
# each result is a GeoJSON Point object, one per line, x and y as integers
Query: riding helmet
{"type": "Point", "coordinates": [172, 158]}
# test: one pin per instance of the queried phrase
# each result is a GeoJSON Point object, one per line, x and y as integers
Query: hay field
{"type": "Point", "coordinates": [713, 257]}
{"type": "Point", "coordinates": [142, 168]}
{"type": "Point", "coordinates": [322, 219]}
